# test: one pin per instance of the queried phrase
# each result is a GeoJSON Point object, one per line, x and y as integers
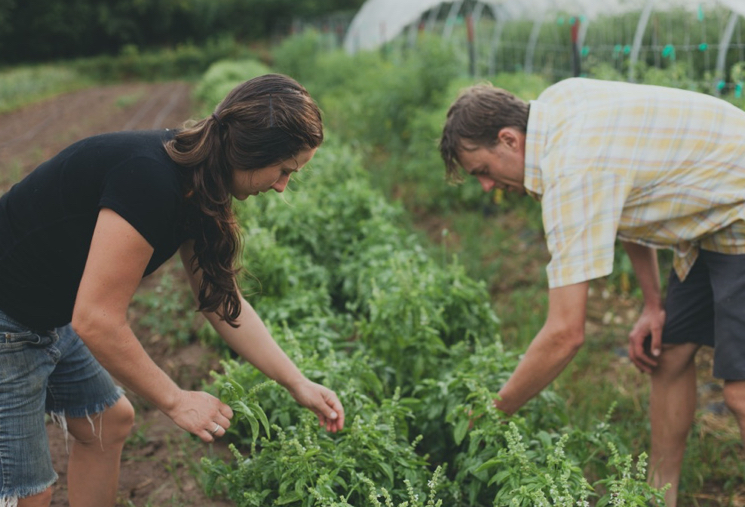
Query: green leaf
{"type": "Point", "coordinates": [460, 430]}
{"type": "Point", "coordinates": [254, 428]}
{"type": "Point", "coordinates": [388, 470]}
{"type": "Point", "coordinates": [289, 498]}
{"type": "Point", "coordinates": [259, 412]}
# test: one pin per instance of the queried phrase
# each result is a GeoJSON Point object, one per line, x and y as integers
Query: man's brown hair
{"type": "Point", "coordinates": [477, 116]}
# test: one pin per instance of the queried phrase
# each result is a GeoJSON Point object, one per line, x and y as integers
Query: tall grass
{"type": "Point", "coordinates": [24, 85]}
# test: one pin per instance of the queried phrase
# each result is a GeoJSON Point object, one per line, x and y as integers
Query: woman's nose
{"type": "Point", "coordinates": [281, 184]}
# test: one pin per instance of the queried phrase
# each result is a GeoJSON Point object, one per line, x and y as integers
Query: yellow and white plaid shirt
{"type": "Point", "coordinates": [652, 165]}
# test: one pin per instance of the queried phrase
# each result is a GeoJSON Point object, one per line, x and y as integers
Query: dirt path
{"type": "Point", "coordinates": [160, 461]}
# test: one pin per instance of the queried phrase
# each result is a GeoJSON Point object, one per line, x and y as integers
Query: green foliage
{"type": "Point", "coordinates": [244, 403]}
{"type": "Point", "coordinates": [524, 481]}
{"type": "Point", "coordinates": [392, 92]}
{"type": "Point", "coordinates": [296, 56]}
{"type": "Point", "coordinates": [44, 30]}
{"type": "Point", "coordinates": [22, 85]}
{"type": "Point", "coordinates": [186, 60]}
{"type": "Point", "coordinates": [630, 489]}
{"type": "Point", "coordinates": [417, 310]}
{"type": "Point", "coordinates": [310, 467]}
{"type": "Point", "coordinates": [162, 309]}
{"type": "Point", "coordinates": [408, 341]}
{"type": "Point", "coordinates": [221, 77]}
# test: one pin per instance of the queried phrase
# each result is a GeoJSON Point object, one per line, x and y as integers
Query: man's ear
{"type": "Point", "coordinates": [508, 136]}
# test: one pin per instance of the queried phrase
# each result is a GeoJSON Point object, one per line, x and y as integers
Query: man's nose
{"type": "Point", "coordinates": [486, 183]}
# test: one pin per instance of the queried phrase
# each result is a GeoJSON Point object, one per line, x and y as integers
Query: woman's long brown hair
{"type": "Point", "coordinates": [261, 122]}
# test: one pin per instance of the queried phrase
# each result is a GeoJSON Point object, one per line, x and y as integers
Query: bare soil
{"type": "Point", "coordinates": [161, 462]}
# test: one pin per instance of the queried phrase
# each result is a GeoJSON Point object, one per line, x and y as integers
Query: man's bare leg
{"type": "Point", "coordinates": [672, 405]}
{"type": "Point", "coordinates": [734, 397]}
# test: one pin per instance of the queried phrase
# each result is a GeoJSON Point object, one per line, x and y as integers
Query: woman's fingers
{"type": "Point", "coordinates": [333, 411]}
{"type": "Point", "coordinates": [202, 414]}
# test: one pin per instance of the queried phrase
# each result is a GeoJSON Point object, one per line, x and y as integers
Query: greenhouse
{"type": "Point", "coordinates": [698, 42]}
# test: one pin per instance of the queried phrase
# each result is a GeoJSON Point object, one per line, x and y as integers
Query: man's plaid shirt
{"type": "Point", "coordinates": [657, 166]}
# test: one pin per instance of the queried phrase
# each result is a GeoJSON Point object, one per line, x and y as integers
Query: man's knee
{"type": "Point", "coordinates": [676, 359]}
{"type": "Point", "coordinates": [734, 397]}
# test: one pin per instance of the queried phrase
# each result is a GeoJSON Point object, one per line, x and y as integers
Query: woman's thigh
{"type": "Point", "coordinates": [27, 359]}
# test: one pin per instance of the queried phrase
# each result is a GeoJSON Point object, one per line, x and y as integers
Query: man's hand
{"type": "Point", "coordinates": [647, 328]}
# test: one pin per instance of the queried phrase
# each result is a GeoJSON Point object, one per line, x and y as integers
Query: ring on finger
{"type": "Point", "coordinates": [217, 428]}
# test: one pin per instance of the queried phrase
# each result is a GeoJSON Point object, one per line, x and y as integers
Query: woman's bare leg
{"type": "Point", "coordinates": [43, 499]}
{"type": "Point", "coordinates": [95, 457]}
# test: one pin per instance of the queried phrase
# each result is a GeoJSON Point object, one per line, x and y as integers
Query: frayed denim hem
{"type": "Point", "coordinates": [60, 418]}
{"type": "Point", "coordinates": [94, 409]}
{"type": "Point", "coordinates": [10, 498]}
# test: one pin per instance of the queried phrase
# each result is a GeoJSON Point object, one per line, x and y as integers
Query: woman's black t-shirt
{"type": "Point", "coordinates": [47, 219]}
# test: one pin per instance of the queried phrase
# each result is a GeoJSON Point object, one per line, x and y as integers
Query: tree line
{"type": "Point", "coordinates": [44, 30]}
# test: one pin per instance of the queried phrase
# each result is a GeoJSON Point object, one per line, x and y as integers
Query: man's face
{"type": "Point", "coordinates": [501, 166]}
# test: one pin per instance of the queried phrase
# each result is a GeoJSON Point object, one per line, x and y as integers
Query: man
{"type": "Point", "coordinates": [654, 167]}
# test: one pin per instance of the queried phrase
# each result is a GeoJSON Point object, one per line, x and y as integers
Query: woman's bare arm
{"type": "Point", "coordinates": [116, 262]}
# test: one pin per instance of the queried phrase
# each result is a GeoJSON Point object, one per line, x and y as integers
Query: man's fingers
{"type": "Point", "coordinates": [656, 343]}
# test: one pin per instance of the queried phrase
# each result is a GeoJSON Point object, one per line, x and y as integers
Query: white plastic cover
{"type": "Point", "coordinates": [379, 21]}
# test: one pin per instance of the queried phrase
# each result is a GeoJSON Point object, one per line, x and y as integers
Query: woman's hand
{"type": "Point", "coordinates": [202, 414]}
{"type": "Point", "coordinates": [649, 326]}
{"type": "Point", "coordinates": [322, 401]}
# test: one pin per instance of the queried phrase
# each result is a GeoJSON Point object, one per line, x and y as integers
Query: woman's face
{"type": "Point", "coordinates": [276, 176]}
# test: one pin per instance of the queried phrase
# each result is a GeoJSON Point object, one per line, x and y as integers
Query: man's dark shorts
{"type": "Point", "coordinates": [708, 308]}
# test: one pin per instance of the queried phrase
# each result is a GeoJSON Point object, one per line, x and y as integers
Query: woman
{"type": "Point", "coordinates": [77, 236]}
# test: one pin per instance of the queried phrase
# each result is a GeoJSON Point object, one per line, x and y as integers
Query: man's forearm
{"type": "Point", "coordinates": [647, 271]}
{"type": "Point", "coordinates": [545, 359]}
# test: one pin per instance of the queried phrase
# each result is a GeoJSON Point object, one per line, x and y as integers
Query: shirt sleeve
{"type": "Point", "coordinates": [146, 195]}
{"type": "Point", "coordinates": [581, 215]}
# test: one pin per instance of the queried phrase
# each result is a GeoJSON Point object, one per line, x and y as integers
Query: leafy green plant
{"type": "Point", "coordinates": [223, 76]}
{"type": "Point", "coordinates": [310, 467]}
{"type": "Point", "coordinates": [631, 488]}
{"type": "Point", "coordinates": [162, 310]}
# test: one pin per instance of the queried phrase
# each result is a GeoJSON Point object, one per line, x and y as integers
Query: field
{"type": "Point", "coordinates": [161, 464]}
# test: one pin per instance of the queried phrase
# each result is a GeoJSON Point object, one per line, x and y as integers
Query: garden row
{"type": "Point", "coordinates": [408, 340]}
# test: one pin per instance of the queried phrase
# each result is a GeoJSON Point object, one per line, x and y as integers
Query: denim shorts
{"type": "Point", "coordinates": [42, 371]}
{"type": "Point", "coordinates": [708, 308]}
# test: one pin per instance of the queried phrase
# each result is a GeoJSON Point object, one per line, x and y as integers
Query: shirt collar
{"type": "Point", "coordinates": [535, 144]}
